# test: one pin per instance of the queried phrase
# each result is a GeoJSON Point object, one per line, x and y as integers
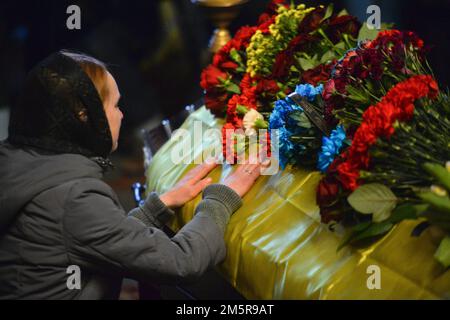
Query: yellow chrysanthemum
{"type": "Point", "coordinates": [262, 50]}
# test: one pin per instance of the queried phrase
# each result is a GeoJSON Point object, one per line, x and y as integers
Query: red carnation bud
{"type": "Point", "coordinates": [211, 77]}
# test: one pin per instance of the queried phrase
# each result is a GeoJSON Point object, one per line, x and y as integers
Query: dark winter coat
{"type": "Point", "coordinates": [56, 212]}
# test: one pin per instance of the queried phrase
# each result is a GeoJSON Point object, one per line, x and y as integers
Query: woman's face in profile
{"type": "Point", "coordinates": [112, 110]}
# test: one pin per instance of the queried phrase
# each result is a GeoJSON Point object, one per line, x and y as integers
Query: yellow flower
{"type": "Point", "coordinates": [263, 49]}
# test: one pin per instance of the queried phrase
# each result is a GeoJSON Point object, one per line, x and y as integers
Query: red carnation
{"type": "Point", "coordinates": [343, 25]}
{"type": "Point", "coordinates": [228, 143]}
{"type": "Point", "coordinates": [246, 83]}
{"type": "Point", "coordinates": [283, 62]}
{"type": "Point", "coordinates": [267, 86]}
{"type": "Point", "coordinates": [319, 74]}
{"type": "Point", "coordinates": [272, 7]}
{"type": "Point", "coordinates": [232, 115]}
{"type": "Point", "coordinates": [212, 77]}
{"type": "Point", "coordinates": [327, 196]}
{"type": "Point", "coordinates": [223, 61]}
{"type": "Point", "coordinates": [348, 176]}
{"type": "Point", "coordinates": [311, 21]}
{"type": "Point", "coordinates": [216, 101]}
{"type": "Point", "coordinates": [327, 191]}
{"type": "Point", "coordinates": [242, 38]}
{"type": "Point", "coordinates": [378, 121]}
{"type": "Point", "coordinates": [264, 27]}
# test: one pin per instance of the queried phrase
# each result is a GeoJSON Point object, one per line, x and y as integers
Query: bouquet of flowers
{"type": "Point", "coordinates": [365, 111]}
{"type": "Point", "coordinates": [360, 79]}
{"type": "Point", "coordinates": [368, 71]}
{"type": "Point", "coordinates": [381, 101]}
{"type": "Point", "coordinates": [291, 44]}
{"type": "Point", "coordinates": [375, 181]}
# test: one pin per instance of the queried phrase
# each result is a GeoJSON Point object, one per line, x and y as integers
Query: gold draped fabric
{"type": "Point", "coordinates": [278, 249]}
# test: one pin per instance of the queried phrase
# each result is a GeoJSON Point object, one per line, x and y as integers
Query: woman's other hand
{"type": "Point", "coordinates": [245, 175]}
{"type": "Point", "coordinates": [190, 186]}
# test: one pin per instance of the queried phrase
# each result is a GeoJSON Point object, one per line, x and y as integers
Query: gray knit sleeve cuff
{"type": "Point", "coordinates": [219, 203]}
{"type": "Point", "coordinates": [225, 195]}
{"type": "Point", "coordinates": [153, 212]}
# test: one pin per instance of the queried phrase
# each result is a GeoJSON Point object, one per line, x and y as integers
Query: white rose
{"type": "Point", "coordinates": [249, 121]}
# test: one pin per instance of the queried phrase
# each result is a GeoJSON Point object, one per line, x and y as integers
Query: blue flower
{"type": "Point", "coordinates": [280, 114]}
{"type": "Point", "coordinates": [309, 91]}
{"type": "Point", "coordinates": [280, 119]}
{"type": "Point", "coordinates": [276, 119]}
{"type": "Point", "coordinates": [331, 147]}
{"type": "Point", "coordinates": [286, 146]}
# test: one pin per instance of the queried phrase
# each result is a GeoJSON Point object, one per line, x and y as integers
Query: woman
{"type": "Point", "coordinates": [55, 211]}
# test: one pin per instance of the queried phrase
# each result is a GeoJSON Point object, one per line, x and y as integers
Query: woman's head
{"type": "Point", "coordinates": [69, 105]}
{"type": "Point", "coordinates": [106, 87]}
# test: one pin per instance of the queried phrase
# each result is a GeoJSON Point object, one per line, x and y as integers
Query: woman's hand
{"type": "Point", "coordinates": [190, 186]}
{"type": "Point", "coordinates": [245, 175]}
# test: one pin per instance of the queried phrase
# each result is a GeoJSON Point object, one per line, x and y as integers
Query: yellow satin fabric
{"type": "Point", "coordinates": [278, 249]}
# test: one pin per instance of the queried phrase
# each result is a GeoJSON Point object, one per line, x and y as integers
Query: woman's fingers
{"type": "Point", "coordinates": [200, 171]}
{"type": "Point", "coordinates": [203, 170]}
{"type": "Point", "coordinates": [195, 181]}
{"type": "Point", "coordinates": [253, 171]}
{"type": "Point", "coordinates": [201, 185]}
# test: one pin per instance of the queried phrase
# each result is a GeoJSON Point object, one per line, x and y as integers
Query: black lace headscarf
{"type": "Point", "coordinates": [61, 111]}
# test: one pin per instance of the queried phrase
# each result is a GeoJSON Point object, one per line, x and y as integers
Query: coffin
{"type": "Point", "coordinates": [278, 249]}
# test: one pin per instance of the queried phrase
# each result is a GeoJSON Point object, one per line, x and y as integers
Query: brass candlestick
{"type": "Point", "coordinates": [221, 13]}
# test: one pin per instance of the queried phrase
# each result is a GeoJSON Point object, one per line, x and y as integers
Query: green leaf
{"type": "Point", "coordinates": [329, 55]}
{"type": "Point", "coordinates": [367, 34]}
{"type": "Point", "coordinates": [369, 229]}
{"type": "Point", "coordinates": [232, 87]}
{"type": "Point", "coordinates": [353, 233]}
{"type": "Point", "coordinates": [443, 252]}
{"type": "Point", "coordinates": [341, 45]}
{"type": "Point", "coordinates": [375, 199]}
{"type": "Point", "coordinates": [407, 212]}
{"type": "Point", "coordinates": [440, 203]}
{"type": "Point", "coordinates": [306, 64]}
{"type": "Point", "coordinates": [375, 229]}
{"type": "Point", "coordinates": [294, 69]}
{"type": "Point", "coordinates": [236, 57]}
{"type": "Point", "coordinates": [346, 241]}
{"type": "Point", "coordinates": [439, 172]}
{"type": "Point", "coordinates": [361, 227]}
{"type": "Point", "coordinates": [302, 119]}
{"type": "Point", "coordinates": [366, 230]}
{"type": "Point", "coordinates": [357, 95]}
{"type": "Point", "coordinates": [261, 124]}
{"type": "Point", "coordinates": [343, 12]}
{"type": "Point", "coordinates": [241, 110]}
{"type": "Point", "coordinates": [329, 12]}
